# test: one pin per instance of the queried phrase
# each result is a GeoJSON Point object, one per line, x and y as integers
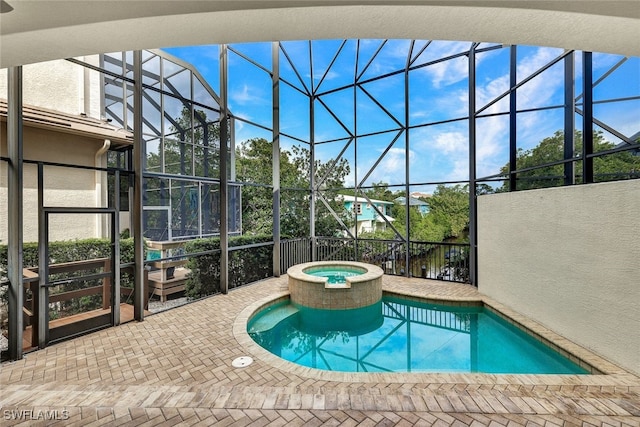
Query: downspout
{"type": "Point", "coordinates": [101, 188]}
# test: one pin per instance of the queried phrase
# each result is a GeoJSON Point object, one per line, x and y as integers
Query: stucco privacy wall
{"type": "Point", "coordinates": [568, 258]}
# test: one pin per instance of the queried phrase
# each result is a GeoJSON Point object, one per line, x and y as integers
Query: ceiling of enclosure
{"type": "Point", "coordinates": [39, 30]}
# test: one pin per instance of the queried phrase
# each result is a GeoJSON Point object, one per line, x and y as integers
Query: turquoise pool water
{"type": "Point", "coordinates": [335, 274]}
{"type": "Point", "coordinates": [398, 335]}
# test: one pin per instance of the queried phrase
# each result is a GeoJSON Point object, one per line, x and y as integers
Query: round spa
{"type": "Point", "coordinates": [335, 285]}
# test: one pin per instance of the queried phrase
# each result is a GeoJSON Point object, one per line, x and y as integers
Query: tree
{"type": "Point", "coordinates": [449, 208]}
{"type": "Point", "coordinates": [551, 149]}
{"type": "Point", "coordinates": [421, 228]}
{"type": "Point", "coordinates": [380, 191]}
{"type": "Point", "coordinates": [253, 164]}
{"type": "Point", "coordinates": [190, 147]}
{"type": "Point", "coordinates": [329, 183]}
{"type": "Point", "coordinates": [428, 230]}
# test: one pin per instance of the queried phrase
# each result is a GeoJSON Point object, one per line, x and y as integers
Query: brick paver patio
{"type": "Point", "coordinates": [175, 369]}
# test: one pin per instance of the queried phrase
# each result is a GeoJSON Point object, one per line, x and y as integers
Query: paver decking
{"type": "Point", "coordinates": [175, 369]}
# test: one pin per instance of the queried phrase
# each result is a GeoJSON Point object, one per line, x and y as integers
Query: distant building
{"type": "Point", "coordinates": [420, 195]}
{"type": "Point", "coordinates": [368, 219]}
{"type": "Point", "coordinates": [420, 205]}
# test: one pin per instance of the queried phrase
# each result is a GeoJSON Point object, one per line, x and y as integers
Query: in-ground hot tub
{"type": "Point", "coordinates": [335, 285]}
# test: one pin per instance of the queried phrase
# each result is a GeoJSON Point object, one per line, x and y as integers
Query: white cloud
{"type": "Point", "coordinates": [332, 74]}
{"type": "Point", "coordinates": [392, 167]}
{"type": "Point", "coordinates": [447, 154]}
{"type": "Point", "coordinates": [447, 72]}
{"type": "Point", "coordinates": [602, 60]}
{"type": "Point", "coordinates": [418, 114]}
{"type": "Point", "coordinates": [246, 95]}
{"type": "Point", "coordinates": [490, 91]}
{"type": "Point", "coordinates": [540, 89]}
{"type": "Point", "coordinates": [460, 170]}
{"type": "Point", "coordinates": [450, 142]}
{"type": "Point", "coordinates": [492, 137]}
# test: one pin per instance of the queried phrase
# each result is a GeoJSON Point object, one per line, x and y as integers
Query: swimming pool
{"type": "Point", "coordinates": [402, 335]}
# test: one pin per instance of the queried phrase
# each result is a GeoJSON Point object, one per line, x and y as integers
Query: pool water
{"type": "Point", "coordinates": [334, 275]}
{"type": "Point", "coordinates": [399, 335]}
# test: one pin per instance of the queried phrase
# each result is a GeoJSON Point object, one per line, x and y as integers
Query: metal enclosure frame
{"type": "Point", "coordinates": [354, 140]}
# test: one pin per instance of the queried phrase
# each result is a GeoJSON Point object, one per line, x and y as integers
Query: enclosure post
{"type": "Point", "coordinates": [42, 309]}
{"type": "Point", "coordinates": [15, 210]}
{"type": "Point", "coordinates": [587, 118]}
{"type": "Point", "coordinates": [138, 188]}
{"type": "Point", "coordinates": [275, 147]}
{"type": "Point", "coordinates": [312, 201]}
{"type": "Point", "coordinates": [473, 220]}
{"type": "Point", "coordinates": [513, 126]}
{"type": "Point", "coordinates": [407, 218]}
{"type": "Point", "coordinates": [569, 118]}
{"type": "Point", "coordinates": [224, 184]}
{"type": "Point", "coordinates": [106, 287]}
{"type": "Point", "coordinates": [115, 253]}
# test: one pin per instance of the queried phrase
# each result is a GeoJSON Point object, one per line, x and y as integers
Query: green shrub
{"type": "Point", "coordinates": [204, 278]}
{"type": "Point", "coordinates": [245, 265]}
{"type": "Point", "coordinates": [69, 251]}
{"type": "Point", "coordinates": [252, 264]}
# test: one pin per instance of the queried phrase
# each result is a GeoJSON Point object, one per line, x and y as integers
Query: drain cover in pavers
{"type": "Point", "coordinates": [242, 361]}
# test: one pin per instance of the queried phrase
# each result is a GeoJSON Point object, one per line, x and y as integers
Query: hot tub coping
{"type": "Point", "coordinates": [372, 271]}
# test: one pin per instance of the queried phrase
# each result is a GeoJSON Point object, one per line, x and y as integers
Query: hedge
{"type": "Point", "coordinates": [245, 265]}
{"type": "Point", "coordinates": [69, 251]}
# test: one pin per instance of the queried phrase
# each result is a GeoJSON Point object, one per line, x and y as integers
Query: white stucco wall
{"type": "Point", "coordinates": [45, 82]}
{"type": "Point", "coordinates": [569, 258]}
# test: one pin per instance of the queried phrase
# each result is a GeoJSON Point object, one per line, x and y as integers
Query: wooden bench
{"type": "Point", "coordinates": [170, 276]}
{"type": "Point", "coordinates": [162, 287]}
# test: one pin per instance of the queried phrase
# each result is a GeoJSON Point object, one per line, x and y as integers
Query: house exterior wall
{"type": "Point", "coordinates": [366, 219]}
{"type": "Point", "coordinates": [568, 258]}
{"type": "Point", "coordinates": [61, 86]}
{"type": "Point", "coordinates": [63, 186]}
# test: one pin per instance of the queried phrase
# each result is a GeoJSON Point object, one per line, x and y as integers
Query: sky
{"type": "Point", "coordinates": [437, 92]}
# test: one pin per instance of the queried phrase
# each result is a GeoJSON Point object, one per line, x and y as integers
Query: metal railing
{"type": "Point", "coordinates": [429, 260]}
{"type": "Point", "coordinates": [294, 251]}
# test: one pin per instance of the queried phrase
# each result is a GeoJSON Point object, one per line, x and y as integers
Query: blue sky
{"type": "Point", "coordinates": [437, 93]}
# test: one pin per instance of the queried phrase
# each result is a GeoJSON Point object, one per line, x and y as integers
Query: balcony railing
{"type": "Point", "coordinates": [429, 260]}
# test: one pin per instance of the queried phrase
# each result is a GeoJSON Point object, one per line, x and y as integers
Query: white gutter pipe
{"type": "Point", "coordinates": [101, 189]}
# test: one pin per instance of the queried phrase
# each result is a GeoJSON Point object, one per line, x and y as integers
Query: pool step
{"type": "Point", "coordinates": [270, 320]}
